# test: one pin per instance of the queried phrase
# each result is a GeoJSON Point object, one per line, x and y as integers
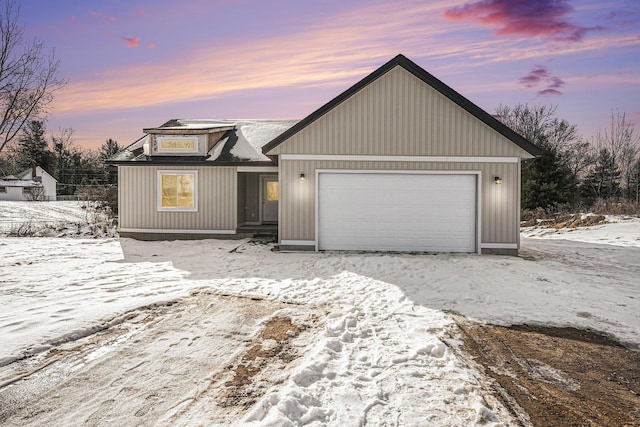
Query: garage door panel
{"type": "Point", "coordinates": [403, 212]}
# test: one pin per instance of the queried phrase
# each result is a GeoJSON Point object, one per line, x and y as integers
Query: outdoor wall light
{"type": "Point", "coordinates": [497, 180]}
{"type": "Point", "coordinates": [301, 177]}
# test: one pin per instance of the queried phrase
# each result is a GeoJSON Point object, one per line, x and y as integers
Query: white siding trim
{"type": "Point", "coordinates": [298, 242]}
{"type": "Point", "coordinates": [171, 230]}
{"type": "Point", "coordinates": [499, 246]}
{"type": "Point", "coordinates": [358, 158]}
{"type": "Point", "coordinates": [423, 172]}
{"type": "Point", "coordinates": [258, 169]}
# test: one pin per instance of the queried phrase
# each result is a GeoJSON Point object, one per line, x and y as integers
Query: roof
{"type": "Point", "coordinates": [11, 181]}
{"type": "Point", "coordinates": [419, 72]}
{"type": "Point", "coordinates": [29, 172]}
{"type": "Point", "coordinates": [241, 142]}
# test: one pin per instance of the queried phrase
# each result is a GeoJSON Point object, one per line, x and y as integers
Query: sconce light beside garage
{"type": "Point", "coordinates": [497, 180]}
{"type": "Point", "coordinates": [301, 177]}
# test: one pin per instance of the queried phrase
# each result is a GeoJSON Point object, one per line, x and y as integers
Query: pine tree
{"type": "Point", "coordinates": [33, 148]}
{"type": "Point", "coordinates": [108, 150]}
{"type": "Point", "coordinates": [604, 180]}
{"type": "Point", "coordinates": [549, 180]}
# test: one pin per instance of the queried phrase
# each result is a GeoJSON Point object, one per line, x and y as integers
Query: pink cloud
{"type": "Point", "coordinates": [151, 46]}
{"type": "Point", "coordinates": [131, 41]}
{"type": "Point", "coordinates": [540, 18]}
{"type": "Point", "coordinates": [540, 76]}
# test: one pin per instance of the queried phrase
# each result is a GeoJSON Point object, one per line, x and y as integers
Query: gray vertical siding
{"type": "Point", "coordinates": [500, 203]}
{"type": "Point", "coordinates": [217, 205]}
{"type": "Point", "coordinates": [399, 115]}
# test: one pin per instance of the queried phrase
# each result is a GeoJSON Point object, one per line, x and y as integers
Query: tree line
{"type": "Point", "coordinates": [576, 173]}
{"type": "Point", "coordinates": [75, 169]}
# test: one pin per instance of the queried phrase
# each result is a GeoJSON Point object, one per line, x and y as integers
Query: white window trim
{"type": "Point", "coordinates": [159, 190]}
{"type": "Point", "coordinates": [161, 150]}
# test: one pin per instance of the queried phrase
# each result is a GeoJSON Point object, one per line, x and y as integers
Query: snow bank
{"type": "Point", "coordinates": [619, 231]}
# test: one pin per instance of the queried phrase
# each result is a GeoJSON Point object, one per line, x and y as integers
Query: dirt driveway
{"type": "Point", "coordinates": [557, 376]}
{"type": "Point", "coordinates": [161, 367]}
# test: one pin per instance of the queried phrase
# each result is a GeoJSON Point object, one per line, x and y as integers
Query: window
{"type": "Point", "coordinates": [27, 190]}
{"type": "Point", "coordinates": [272, 191]}
{"type": "Point", "coordinates": [3, 189]}
{"type": "Point", "coordinates": [178, 190]}
{"type": "Point", "coordinates": [177, 144]}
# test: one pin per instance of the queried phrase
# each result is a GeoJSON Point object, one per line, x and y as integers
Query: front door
{"type": "Point", "coordinates": [269, 194]}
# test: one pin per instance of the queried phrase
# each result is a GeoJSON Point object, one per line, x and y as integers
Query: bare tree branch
{"type": "Point", "coordinates": [28, 75]}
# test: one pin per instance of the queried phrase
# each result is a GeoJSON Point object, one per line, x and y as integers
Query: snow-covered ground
{"type": "Point", "coordinates": [376, 348]}
{"type": "Point", "coordinates": [54, 219]}
{"type": "Point", "coordinates": [620, 230]}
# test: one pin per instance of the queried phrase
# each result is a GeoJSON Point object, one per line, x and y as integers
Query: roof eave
{"type": "Point", "coordinates": [186, 131]}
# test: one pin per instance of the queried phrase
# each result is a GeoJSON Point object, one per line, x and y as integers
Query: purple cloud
{"type": "Point", "coordinates": [540, 76]}
{"type": "Point", "coordinates": [131, 41]}
{"type": "Point", "coordinates": [549, 92]}
{"type": "Point", "coordinates": [539, 18]}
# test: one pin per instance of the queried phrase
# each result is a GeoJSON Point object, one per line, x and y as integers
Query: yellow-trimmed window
{"type": "Point", "coordinates": [178, 190]}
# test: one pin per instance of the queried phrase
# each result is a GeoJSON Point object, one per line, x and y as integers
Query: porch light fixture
{"type": "Point", "coordinates": [301, 177]}
{"type": "Point", "coordinates": [497, 180]}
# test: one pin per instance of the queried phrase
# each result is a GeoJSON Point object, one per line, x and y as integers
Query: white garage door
{"type": "Point", "coordinates": [397, 212]}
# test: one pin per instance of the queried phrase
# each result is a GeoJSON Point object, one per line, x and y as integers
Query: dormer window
{"type": "Point", "coordinates": [178, 144]}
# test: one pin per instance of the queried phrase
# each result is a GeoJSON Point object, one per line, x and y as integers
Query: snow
{"type": "Point", "coordinates": [55, 219]}
{"type": "Point", "coordinates": [619, 231]}
{"type": "Point", "coordinates": [252, 136]}
{"type": "Point", "coordinates": [377, 348]}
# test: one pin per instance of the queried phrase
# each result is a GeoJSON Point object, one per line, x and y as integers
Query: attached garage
{"type": "Point", "coordinates": [400, 162]}
{"type": "Point", "coordinates": [373, 210]}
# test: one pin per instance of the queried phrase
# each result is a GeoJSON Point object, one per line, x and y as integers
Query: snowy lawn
{"type": "Point", "coordinates": [54, 219]}
{"type": "Point", "coordinates": [376, 352]}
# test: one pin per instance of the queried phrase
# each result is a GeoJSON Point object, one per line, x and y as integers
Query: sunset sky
{"type": "Point", "coordinates": [135, 64]}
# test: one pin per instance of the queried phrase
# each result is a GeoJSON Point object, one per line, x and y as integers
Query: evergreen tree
{"type": "Point", "coordinates": [109, 149]}
{"type": "Point", "coordinates": [604, 180]}
{"type": "Point", "coordinates": [33, 148]}
{"type": "Point", "coordinates": [549, 180]}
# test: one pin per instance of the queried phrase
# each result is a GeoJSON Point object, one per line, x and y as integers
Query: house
{"type": "Point", "coordinates": [398, 162]}
{"type": "Point", "coordinates": [34, 184]}
{"type": "Point", "coordinates": [49, 183]}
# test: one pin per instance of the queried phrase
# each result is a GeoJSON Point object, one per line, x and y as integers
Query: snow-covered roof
{"type": "Point", "coordinates": [12, 181]}
{"type": "Point", "coordinates": [133, 152]}
{"type": "Point", "coordinates": [245, 141]}
{"type": "Point", "coordinates": [241, 142]}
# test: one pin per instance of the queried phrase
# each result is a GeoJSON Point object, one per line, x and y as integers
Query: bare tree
{"type": "Point", "coordinates": [623, 145]}
{"type": "Point", "coordinates": [34, 193]}
{"type": "Point", "coordinates": [28, 75]}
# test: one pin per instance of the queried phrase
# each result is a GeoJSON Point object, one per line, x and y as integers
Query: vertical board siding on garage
{"type": "Point", "coordinates": [217, 206]}
{"type": "Point", "coordinates": [500, 203]}
{"type": "Point", "coordinates": [399, 115]}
